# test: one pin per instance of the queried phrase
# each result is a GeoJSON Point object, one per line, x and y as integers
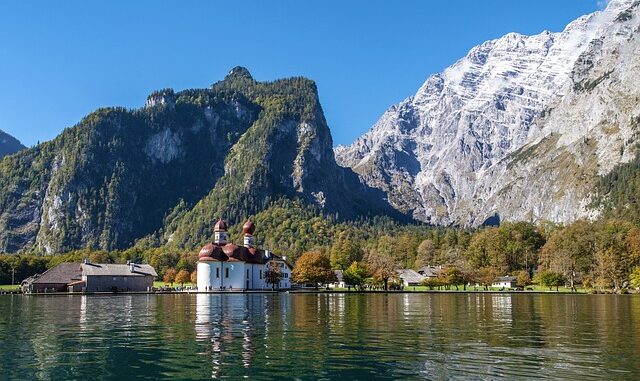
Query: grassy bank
{"type": "Point", "coordinates": [532, 288]}
{"type": "Point", "coordinates": [174, 285]}
{"type": "Point", "coordinates": [9, 287]}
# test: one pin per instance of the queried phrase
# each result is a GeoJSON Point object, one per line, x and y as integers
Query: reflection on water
{"type": "Point", "coordinates": [333, 336]}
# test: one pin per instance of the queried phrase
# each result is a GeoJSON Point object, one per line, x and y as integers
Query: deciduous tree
{"type": "Point", "coordinates": [356, 274]}
{"type": "Point", "coordinates": [169, 276]}
{"type": "Point", "coordinates": [551, 279]}
{"type": "Point", "coordinates": [273, 274]}
{"type": "Point", "coordinates": [523, 279]}
{"type": "Point", "coordinates": [486, 276]}
{"type": "Point", "coordinates": [426, 254]}
{"type": "Point", "coordinates": [313, 268]}
{"type": "Point", "coordinates": [345, 250]}
{"type": "Point", "coordinates": [182, 277]}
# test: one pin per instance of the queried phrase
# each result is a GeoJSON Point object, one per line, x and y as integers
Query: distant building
{"type": "Point", "coordinates": [56, 279]}
{"type": "Point", "coordinates": [339, 283]}
{"type": "Point", "coordinates": [225, 266]}
{"type": "Point", "coordinates": [92, 277]}
{"type": "Point", "coordinates": [117, 278]}
{"type": "Point", "coordinates": [410, 277]}
{"type": "Point", "coordinates": [505, 282]}
{"type": "Point", "coordinates": [430, 271]}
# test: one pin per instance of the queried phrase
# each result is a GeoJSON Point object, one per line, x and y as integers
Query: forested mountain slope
{"type": "Point", "coordinates": [167, 170]}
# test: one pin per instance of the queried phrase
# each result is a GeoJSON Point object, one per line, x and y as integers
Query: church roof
{"type": "Point", "coordinates": [231, 252]}
{"type": "Point", "coordinates": [248, 228]}
{"type": "Point", "coordinates": [220, 226]}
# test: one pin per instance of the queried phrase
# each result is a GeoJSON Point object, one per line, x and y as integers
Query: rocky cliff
{"type": "Point", "coordinates": [520, 129]}
{"type": "Point", "coordinates": [167, 170]}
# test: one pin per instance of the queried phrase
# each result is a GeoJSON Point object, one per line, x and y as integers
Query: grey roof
{"type": "Point", "coordinates": [94, 269]}
{"type": "Point", "coordinates": [279, 258]}
{"type": "Point", "coordinates": [430, 271]}
{"type": "Point", "coordinates": [62, 274]}
{"type": "Point", "coordinates": [410, 276]}
{"type": "Point", "coordinates": [506, 279]}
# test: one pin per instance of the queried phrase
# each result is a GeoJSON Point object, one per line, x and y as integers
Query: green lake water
{"type": "Point", "coordinates": [320, 337]}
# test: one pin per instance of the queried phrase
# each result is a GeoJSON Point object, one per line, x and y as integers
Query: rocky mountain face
{"type": "Point", "coordinates": [9, 145]}
{"type": "Point", "coordinates": [519, 129]}
{"type": "Point", "coordinates": [166, 171]}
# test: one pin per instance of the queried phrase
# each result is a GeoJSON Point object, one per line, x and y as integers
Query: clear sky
{"type": "Point", "coordinates": [59, 60]}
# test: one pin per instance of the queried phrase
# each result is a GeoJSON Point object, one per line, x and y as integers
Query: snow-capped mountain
{"type": "Point", "coordinates": [520, 127]}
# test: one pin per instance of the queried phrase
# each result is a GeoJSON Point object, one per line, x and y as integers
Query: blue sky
{"type": "Point", "coordinates": [61, 60]}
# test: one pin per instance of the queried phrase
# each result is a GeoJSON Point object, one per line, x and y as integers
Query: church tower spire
{"type": "Point", "coordinates": [248, 228]}
{"type": "Point", "coordinates": [220, 232]}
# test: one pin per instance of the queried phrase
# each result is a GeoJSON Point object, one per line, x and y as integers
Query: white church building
{"type": "Point", "coordinates": [223, 266]}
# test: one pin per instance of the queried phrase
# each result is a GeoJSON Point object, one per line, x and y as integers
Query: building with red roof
{"type": "Point", "coordinates": [223, 265]}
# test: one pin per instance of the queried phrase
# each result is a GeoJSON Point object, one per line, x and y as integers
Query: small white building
{"type": "Point", "coordinates": [505, 282]}
{"type": "Point", "coordinates": [223, 266]}
{"type": "Point", "coordinates": [339, 283]}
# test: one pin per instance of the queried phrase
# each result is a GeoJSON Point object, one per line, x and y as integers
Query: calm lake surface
{"type": "Point", "coordinates": [320, 337]}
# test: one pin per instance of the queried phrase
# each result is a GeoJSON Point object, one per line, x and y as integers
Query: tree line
{"type": "Point", "coordinates": [603, 255]}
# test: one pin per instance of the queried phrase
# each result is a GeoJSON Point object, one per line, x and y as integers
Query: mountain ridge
{"type": "Point", "coordinates": [163, 173]}
{"type": "Point", "coordinates": [9, 145]}
{"type": "Point", "coordinates": [440, 153]}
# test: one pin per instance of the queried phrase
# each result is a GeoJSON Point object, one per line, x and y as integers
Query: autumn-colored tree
{"type": "Point", "coordinates": [426, 254]}
{"type": "Point", "coordinates": [273, 274]}
{"type": "Point", "coordinates": [486, 276]}
{"type": "Point", "coordinates": [169, 276]}
{"type": "Point", "coordinates": [382, 262]}
{"type": "Point", "coordinates": [313, 268]}
{"type": "Point", "coordinates": [194, 277]}
{"type": "Point", "coordinates": [182, 277]}
{"type": "Point", "coordinates": [523, 279]}
{"type": "Point", "coordinates": [451, 276]}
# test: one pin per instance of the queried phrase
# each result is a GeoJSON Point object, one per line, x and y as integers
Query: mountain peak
{"type": "Point", "coordinates": [9, 145]}
{"type": "Point", "coordinates": [447, 153]}
{"type": "Point", "coordinates": [239, 72]}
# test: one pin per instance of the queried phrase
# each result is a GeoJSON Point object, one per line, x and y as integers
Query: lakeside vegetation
{"type": "Point", "coordinates": [602, 255]}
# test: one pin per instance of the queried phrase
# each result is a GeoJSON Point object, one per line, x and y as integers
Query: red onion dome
{"type": "Point", "coordinates": [220, 226]}
{"type": "Point", "coordinates": [248, 228]}
{"type": "Point", "coordinates": [206, 251]}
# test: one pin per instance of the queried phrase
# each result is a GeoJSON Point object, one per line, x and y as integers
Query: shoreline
{"type": "Point", "coordinates": [306, 292]}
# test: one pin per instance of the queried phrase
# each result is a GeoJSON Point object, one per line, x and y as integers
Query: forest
{"type": "Point", "coordinates": [601, 255]}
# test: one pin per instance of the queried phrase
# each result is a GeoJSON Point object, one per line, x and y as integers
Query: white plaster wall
{"type": "Point", "coordinates": [207, 279]}
{"type": "Point", "coordinates": [236, 275]}
{"type": "Point", "coordinates": [205, 273]}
